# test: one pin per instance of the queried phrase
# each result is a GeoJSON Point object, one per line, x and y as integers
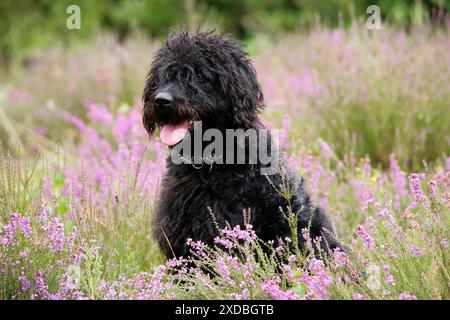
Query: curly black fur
{"type": "Point", "coordinates": [212, 80]}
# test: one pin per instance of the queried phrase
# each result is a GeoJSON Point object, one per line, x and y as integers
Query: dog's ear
{"type": "Point", "coordinates": [240, 86]}
{"type": "Point", "coordinates": [148, 114]}
{"type": "Point", "coordinates": [246, 95]}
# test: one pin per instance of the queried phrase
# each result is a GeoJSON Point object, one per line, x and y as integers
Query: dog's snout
{"type": "Point", "coordinates": [163, 99]}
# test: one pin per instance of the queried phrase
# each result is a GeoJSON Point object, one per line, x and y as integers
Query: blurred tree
{"type": "Point", "coordinates": [27, 24]}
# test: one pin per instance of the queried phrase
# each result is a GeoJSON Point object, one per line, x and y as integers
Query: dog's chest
{"type": "Point", "coordinates": [195, 195]}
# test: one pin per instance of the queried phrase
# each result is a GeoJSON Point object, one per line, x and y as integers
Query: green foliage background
{"type": "Point", "coordinates": [27, 24]}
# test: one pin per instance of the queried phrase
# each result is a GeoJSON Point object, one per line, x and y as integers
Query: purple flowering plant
{"type": "Point", "coordinates": [76, 220]}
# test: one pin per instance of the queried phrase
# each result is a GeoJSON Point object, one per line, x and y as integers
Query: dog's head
{"type": "Point", "coordinates": [200, 77]}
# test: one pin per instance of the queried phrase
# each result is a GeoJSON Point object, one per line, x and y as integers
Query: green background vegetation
{"type": "Point", "coordinates": [29, 24]}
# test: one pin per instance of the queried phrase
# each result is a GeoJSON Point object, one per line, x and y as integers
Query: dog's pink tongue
{"type": "Point", "coordinates": [171, 134]}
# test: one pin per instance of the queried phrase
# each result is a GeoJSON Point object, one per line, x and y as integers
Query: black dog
{"type": "Point", "coordinates": [209, 78]}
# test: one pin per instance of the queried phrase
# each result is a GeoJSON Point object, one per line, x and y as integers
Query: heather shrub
{"type": "Point", "coordinates": [394, 253]}
{"type": "Point", "coordinates": [59, 79]}
{"type": "Point", "coordinates": [395, 226]}
{"type": "Point", "coordinates": [112, 181]}
{"type": "Point", "coordinates": [358, 114]}
{"type": "Point", "coordinates": [365, 93]}
{"type": "Point", "coordinates": [41, 259]}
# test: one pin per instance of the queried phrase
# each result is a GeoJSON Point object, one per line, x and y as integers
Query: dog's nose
{"type": "Point", "coordinates": [163, 99]}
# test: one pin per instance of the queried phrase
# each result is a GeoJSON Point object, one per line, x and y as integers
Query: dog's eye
{"type": "Point", "coordinates": [154, 85]}
{"type": "Point", "coordinates": [199, 76]}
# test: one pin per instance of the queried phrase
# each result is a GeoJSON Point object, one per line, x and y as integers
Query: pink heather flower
{"type": "Point", "coordinates": [284, 132]}
{"type": "Point", "coordinates": [275, 292]}
{"type": "Point", "coordinates": [367, 168]}
{"type": "Point", "coordinates": [398, 177]}
{"type": "Point", "coordinates": [416, 188]}
{"type": "Point", "coordinates": [19, 96]}
{"type": "Point", "coordinates": [390, 253]}
{"type": "Point", "coordinates": [433, 188]}
{"type": "Point", "coordinates": [417, 251]}
{"type": "Point", "coordinates": [200, 276]}
{"type": "Point", "coordinates": [306, 237]}
{"type": "Point", "coordinates": [122, 295]}
{"type": "Point", "coordinates": [24, 254]}
{"type": "Point", "coordinates": [8, 235]}
{"type": "Point", "coordinates": [358, 296]}
{"type": "Point", "coordinates": [78, 256]}
{"type": "Point", "coordinates": [309, 163]}
{"type": "Point", "coordinates": [139, 281]}
{"type": "Point", "coordinates": [325, 185]}
{"type": "Point", "coordinates": [74, 120]}
{"type": "Point", "coordinates": [25, 227]}
{"type": "Point", "coordinates": [389, 277]}
{"type": "Point", "coordinates": [41, 287]}
{"type": "Point", "coordinates": [26, 284]}
{"type": "Point", "coordinates": [123, 127]}
{"type": "Point", "coordinates": [55, 233]}
{"type": "Point", "coordinates": [337, 37]}
{"type": "Point", "coordinates": [339, 257]}
{"type": "Point", "coordinates": [43, 211]}
{"type": "Point", "coordinates": [363, 193]}
{"type": "Point", "coordinates": [317, 242]}
{"type": "Point", "coordinates": [175, 262]}
{"type": "Point", "coordinates": [406, 296]}
{"type": "Point", "coordinates": [327, 152]}
{"type": "Point", "coordinates": [248, 278]}
{"type": "Point", "coordinates": [245, 294]}
{"type": "Point", "coordinates": [318, 282]}
{"type": "Point", "coordinates": [156, 284]}
{"type": "Point", "coordinates": [17, 224]}
{"type": "Point", "coordinates": [99, 113]}
{"type": "Point", "coordinates": [314, 181]}
{"type": "Point", "coordinates": [233, 262]}
{"type": "Point", "coordinates": [223, 271]}
{"type": "Point", "coordinates": [197, 246]}
{"type": "Point", "coordinates": [288, 272]}
{"type": "Point", "coordinates": [107, 290]}
{"type": "Point", "coordinates": [237, 233]}
{"type": "Point", "coordinates": [368, 240]}
{"type": "Point", "coordinates": [227, 244]}
{"type": "Point", "coordinates": [107, 163]}
{"type": "Point", "coordinates": [383, 211]}
{"type": "Point", "coordinates": [279, 249]}
{"type": "Point", "coordinates": [292, 259]}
